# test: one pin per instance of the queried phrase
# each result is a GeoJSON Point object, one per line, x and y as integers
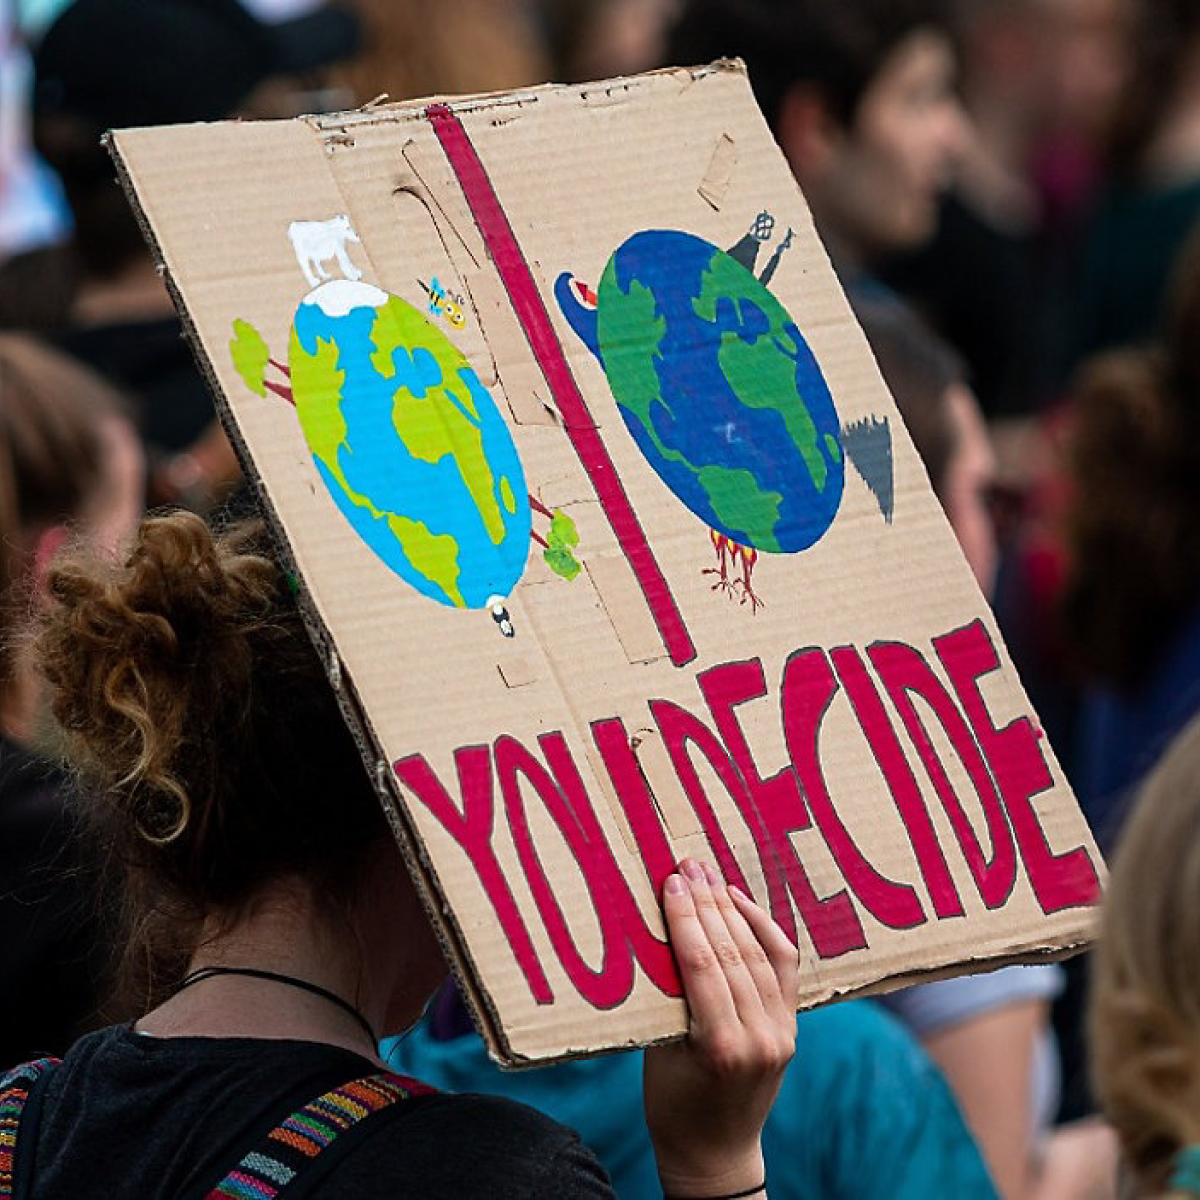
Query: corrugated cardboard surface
{"type": "Point", "coordinates": [576, 171]}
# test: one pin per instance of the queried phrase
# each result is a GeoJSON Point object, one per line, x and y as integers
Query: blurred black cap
{"type": "Point", "coordinates": [117, 63]}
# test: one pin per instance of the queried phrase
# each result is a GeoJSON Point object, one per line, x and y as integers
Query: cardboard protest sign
{"type": "Point", "coordinates": [615, 542]}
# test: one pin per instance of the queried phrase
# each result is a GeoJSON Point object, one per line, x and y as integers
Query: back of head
{"type": "Point", "coordinates": [919, 369]}
{"type": "Point", "coordinates": [929, 384]}
{"type": "Point", "coordinates": [1134, 523]}
{"type": "Point", "coordinates": [52, 460]}
{"type": "Point", "coordinates": [106, 64]}
{"type": "Point", "coordinates": [197, 709]}
{"type": "Point", "coordinates": [50, 452]}
{"type": "Point", "coordinates": [1145, 1013]}
{"type": "Point", "coordinates": [838, 46]}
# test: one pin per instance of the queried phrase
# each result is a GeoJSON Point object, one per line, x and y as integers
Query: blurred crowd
{"type": "Point", "coordinates": [1009, 191]}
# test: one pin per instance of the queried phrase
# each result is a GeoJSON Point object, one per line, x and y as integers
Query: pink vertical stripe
{"type": "Point", "coordinates": [539, 331]}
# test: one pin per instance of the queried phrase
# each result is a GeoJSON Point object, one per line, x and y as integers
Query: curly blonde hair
{"type": "Point", "coordinates": [1145, 1007]}
{"type": "Point", "coordinates": [196, 708]}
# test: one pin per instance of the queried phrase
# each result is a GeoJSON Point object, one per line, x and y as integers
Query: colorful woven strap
{"type": "Point", "coordinates": [293, 1144]}
{"type": "Point", "coordinates": [14, 1092]}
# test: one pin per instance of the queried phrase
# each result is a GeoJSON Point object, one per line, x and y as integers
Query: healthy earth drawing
{"type": "Point", "coordinates": [409, 444]}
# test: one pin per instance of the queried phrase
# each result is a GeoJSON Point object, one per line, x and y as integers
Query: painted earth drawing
{"type": "Point", "coordinates": [410, 444]}
{"type": "Point", "coordinates": [408, 441]}
{"type": "Point", "coordinates": [718, 389]}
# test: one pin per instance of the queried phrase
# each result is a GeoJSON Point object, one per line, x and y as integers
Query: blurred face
{"type": "Point", "coordinates": [967, 486]}
{"type": "Point", "coordinates": [1085, 45]}
{"type": "Point", "coordinates": [883, 176]}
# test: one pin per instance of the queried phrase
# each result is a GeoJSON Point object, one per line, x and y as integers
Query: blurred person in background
{"type": "Point", "coordinates": [413, 48]}
{"type": "Point", "coordinates": [1125, 609]}
{"type": "Point", "coordinates": [70, 468]}
{"type": "Point", "coordinates": [1145, 1010]}
{"type": "Point", "coordinates": [1039, 81]}
{"type": "Point", "coordinates": [32, 210]}
{"type": "Point", "coordinates": [859, 96]}
{"type": "Point", "coordinates": [1151, 199]}
{"type": "Point", "coordinates": [1131, 601]}
{"type": "Point", "coordinates": [606, 38]}
{"type": "Point", "coordinates": [104, 64]}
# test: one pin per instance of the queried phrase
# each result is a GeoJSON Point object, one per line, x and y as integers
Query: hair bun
{"type": "Point", "coordinates": [180, 591]}
{"type": "Point", "coordinates": [200, 713]}
{"type": "Point", "coordinates": [148, 660]}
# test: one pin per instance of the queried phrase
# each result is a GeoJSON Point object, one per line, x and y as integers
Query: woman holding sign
{"type": "Point", "coordinates": [276, 935]}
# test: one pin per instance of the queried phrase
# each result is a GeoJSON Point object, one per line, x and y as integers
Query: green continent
{"type": "Point", "coordinates": [435, 555]}
{"type": "Point", "coordinates": [740, 503]}
{"type": "Point", "coordinates": [317, 388]}
{"type": "Point", "coordinates": [440, 419]}
{"type": "Point", "coordinates": [631, 332]}
{"type": "Point", "coordinates": [762, 373]}
{"type": "Point", "coordinates": [317, 391]}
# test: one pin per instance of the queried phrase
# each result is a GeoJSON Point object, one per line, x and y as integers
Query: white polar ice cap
{"type": "Point", "coordinates": [339, 296]}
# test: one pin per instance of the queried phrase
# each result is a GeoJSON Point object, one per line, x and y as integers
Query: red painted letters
{"type": "Point", "coordinates": [1006, 767]}
{"type": "Point", "coordinates": [1067, 880]}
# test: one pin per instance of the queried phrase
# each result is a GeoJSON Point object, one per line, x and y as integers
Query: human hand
{"type": "Point", "coordinates": [707, 1096]}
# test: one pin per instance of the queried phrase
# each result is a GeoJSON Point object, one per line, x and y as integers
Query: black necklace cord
{"type": "Point", "coordinates": [314, 989]}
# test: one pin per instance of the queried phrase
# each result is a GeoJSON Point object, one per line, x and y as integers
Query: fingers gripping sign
{"type": "Point", "coordinates": [707, 1096]}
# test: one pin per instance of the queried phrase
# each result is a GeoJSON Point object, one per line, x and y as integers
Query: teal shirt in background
{"type": "Point", "coordinates": [863, 1113]}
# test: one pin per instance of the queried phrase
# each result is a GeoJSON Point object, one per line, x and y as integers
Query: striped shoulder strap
{"type": "Point", "coordinates": [269, 1167]}
{"type": "Point", "coordinates": [15, 1090]}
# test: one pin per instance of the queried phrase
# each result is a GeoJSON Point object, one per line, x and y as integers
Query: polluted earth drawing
{"type": "Point", "coordinates": [405, 437]}
{"type": "Point", "coordinates": [723, 396]}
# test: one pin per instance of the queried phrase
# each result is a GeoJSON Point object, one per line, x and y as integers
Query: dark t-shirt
{"type": "Point", "coordinates": [166, 1119]}
{"type": "Point", "coordinates": [52, 944]}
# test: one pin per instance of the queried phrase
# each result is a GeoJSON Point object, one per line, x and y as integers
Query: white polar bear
{"type": "Point", "coordinates": [315, 242]}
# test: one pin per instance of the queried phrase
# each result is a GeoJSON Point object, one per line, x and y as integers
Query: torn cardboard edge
{"type": "Point", "coordinates": [377, 110]}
